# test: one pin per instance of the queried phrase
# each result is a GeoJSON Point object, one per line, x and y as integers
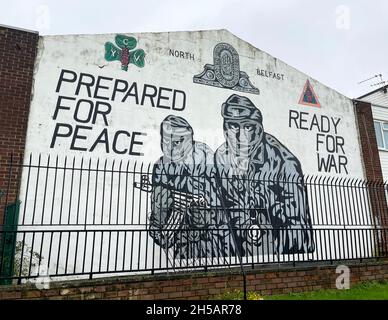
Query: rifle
{"type": "Point", "coordinates": [182, 202]}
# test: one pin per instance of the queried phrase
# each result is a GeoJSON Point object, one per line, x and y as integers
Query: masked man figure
{"type": "Point", "coordinates": [262, 185]}
{"type": "Point", "coordinates": [181, 219]}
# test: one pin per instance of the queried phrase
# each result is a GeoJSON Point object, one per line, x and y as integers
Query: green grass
{"type": "Point", "coordinates": [363, 291]}
{"type": "Point", "coordinates": [239, 295]}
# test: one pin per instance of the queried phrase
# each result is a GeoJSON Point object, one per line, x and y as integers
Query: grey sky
{"type": "Point", "coordinates": [320, 39]}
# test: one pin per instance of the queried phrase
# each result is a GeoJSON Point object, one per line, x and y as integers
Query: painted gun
{"type": "Point", "coordinates": [182, 204]}
{"type": "Point", "coordinates": [182, 199]}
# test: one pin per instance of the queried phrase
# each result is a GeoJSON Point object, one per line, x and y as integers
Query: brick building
{"type": "Point", "coordinates": [379, 100]}
{"type": "Point", "coordinates": [69, 100]}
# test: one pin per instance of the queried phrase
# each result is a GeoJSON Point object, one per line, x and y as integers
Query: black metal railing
{"type": "Point", "coordinates": [73, 218]}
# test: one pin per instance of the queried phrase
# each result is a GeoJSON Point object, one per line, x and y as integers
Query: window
{"type": "Point", "coordinates": [381, 129]}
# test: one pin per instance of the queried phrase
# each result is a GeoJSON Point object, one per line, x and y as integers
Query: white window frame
{"type": "Point", "coordinates": [385, 143]}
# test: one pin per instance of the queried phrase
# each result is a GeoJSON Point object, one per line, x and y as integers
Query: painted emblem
{"type": "Point", "coordinates": [225, 72]}
{"type": "Point", "coordinates": [123, 54]}
{"type": "Point", "coordinates": [308, 97]}
{"type": "Point", "coordinates": [226, 65]}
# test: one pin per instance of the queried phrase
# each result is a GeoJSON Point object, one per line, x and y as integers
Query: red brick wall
{"type": "Point", "coordinates": [17, 57]}
{"type": "Point", "coordinates": [372, 167]}
{"type": "Point", "coordinates": [200, 286]}
{"type": "Point", "coordinates": [370, 152]}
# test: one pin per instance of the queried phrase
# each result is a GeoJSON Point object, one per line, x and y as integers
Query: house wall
{"type": "Point", "coordinates": [98, 98]}
{"type": "Point", "coordinates": [105, 97]}
{"type": "Point", "coordinates": [17, 57]}
{"type": "Point", "coordinates": [379, 102]}
{"type": "Point", "coordinates": [380, 113]}
{"type": "Point", "coordinates": [377, 97]}
{"type": "Point", "coordinates": [172, 64]}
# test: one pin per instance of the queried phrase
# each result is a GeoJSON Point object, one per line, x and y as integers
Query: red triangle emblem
{"type": "Point", "coordinates": [308, 97]}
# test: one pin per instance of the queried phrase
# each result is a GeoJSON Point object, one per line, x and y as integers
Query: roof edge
{"type": "Point", "coordinates": [133, 32]}
{"type": "Point", "coordinates": [19, 29]}
{"type": "Point", "coordinates": [374, 91]}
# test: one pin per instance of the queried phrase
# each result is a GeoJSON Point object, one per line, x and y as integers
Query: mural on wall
{"type": "Point", "coordinates": [263, 209]}
{"type": "Point", "coordinates": [209, 126]}
{"type": "Point", "coordinates": [123, 53]}
{"type": "Point", "coordinates": [225, 72]}
{"type": "Point", "coordinates": [266, 166]}
{"type": "Point", "coordinates": [308, 96]}
{"type": "Point", "coordinates": [183, 195]}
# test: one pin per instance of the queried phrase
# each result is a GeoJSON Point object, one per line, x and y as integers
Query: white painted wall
{"type": "Point", "coordinates": [85, 54]}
